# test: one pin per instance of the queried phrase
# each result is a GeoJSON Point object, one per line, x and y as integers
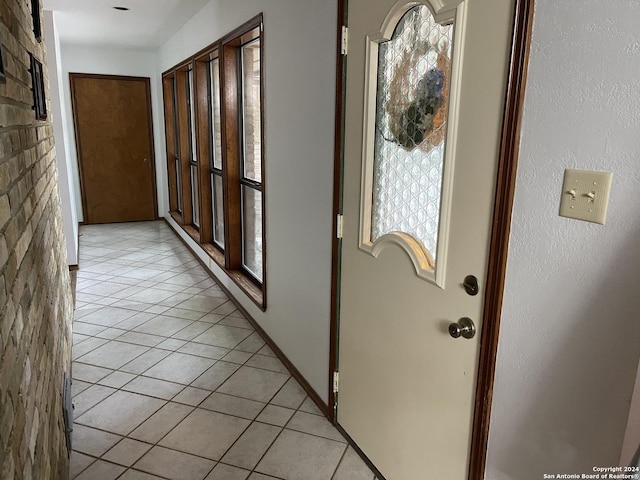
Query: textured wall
{"type": "Point", "coordinates": [35, 297]}
{"type": "Point", "coordinates": [632, 435]}
{"type": "Point", "coordinates": [569, 341]}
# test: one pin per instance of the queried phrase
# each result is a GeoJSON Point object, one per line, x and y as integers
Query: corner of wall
{"type": "Point", "coordinates": [65, 170]}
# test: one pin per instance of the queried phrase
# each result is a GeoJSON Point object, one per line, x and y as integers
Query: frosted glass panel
{"type": "Point", "coordinates": [414, 69]}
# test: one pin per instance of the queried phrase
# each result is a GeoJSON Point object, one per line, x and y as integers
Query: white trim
{"type": "Point", "coordinates": [451, 141]}
{"type": "Point", "coordinates": [445, 12]}
{"type": "Point", "coordinates": [421, 259]}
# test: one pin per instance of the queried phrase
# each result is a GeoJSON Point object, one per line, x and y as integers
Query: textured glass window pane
{"type": "Point", "coordinates": [414, 69]}
{"type": "Point", "coordinates": [252, 230]}
{"type": "Point", "coordinates": [216, 129]}
{"type": "Point", "coordinates": [217, 209]}
{"type": "Point", "coordinates": [252, 137]}
{"type": "Point", "coordinates": [194, 196]}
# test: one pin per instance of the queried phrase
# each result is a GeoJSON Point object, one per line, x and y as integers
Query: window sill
{"type": "Point", "coordinates": [241, 279]}
{"type": "Point", "coordinates": [193, 233]}
{"type": "Point", "coordinates": [177, 216]}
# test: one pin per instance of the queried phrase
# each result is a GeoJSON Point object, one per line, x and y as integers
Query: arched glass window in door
{"type": "Point", "coordinates": [408, 141]}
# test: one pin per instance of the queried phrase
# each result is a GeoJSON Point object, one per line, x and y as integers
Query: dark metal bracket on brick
{"type": "Point", "coordinates": [3, 77]}
{"type": "Point", "coordinates": [67, 412]}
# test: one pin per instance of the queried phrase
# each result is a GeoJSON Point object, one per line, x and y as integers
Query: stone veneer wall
{"type": "Point", "coordinates": [36, 305]}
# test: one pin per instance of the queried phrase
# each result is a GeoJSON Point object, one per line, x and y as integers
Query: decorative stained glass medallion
{"type": "Point", "coordinates": [412, 97]}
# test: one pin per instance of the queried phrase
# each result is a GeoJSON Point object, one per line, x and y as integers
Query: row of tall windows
{"type": "Point", "coordinates": [215, 153]}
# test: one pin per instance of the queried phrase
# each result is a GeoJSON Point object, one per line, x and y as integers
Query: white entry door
{"type": "Point", "coordinates": [425, 97]}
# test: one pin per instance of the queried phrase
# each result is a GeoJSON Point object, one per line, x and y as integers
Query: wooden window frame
{"type": "Point", "coordinates": [192, 159]}
{"type": "Point", "coordinates": [234, 173]}
{"type": "Point", "coordinates": [172, 145]}
{"type": "Point", "coordinates": [227, 51]}
{"type": "Point", "coordinates": [184, 152]}
{"type": "Point", "coordinates": [206, 145]}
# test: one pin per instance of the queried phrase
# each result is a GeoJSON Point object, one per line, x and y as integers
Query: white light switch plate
{"type": "Point", "coordinates": [585, 195]}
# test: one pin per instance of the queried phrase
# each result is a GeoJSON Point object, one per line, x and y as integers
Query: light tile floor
{"type": "Point", "coordinates": [172, 382]}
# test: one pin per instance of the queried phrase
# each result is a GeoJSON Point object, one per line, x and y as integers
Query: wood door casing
{"type": "Point", "coordinates": [507, 167]}
{"type": "Point", "coordinates": [114, 141]}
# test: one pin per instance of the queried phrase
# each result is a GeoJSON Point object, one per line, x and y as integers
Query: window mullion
{"type": "Point", "coordinates": [251, 183]}
{"type": "Point", "coordinates": [202, 100]}
{"type": "Point", "coordinates": [231, 146]}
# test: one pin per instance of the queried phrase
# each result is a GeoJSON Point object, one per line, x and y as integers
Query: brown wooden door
{"type": "Point", "coordinates": [114, 140]}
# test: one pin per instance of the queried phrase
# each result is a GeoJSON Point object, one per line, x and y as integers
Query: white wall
{"type": "Point", "coordinates": [570, 334]}
{"type": "Point", "coordinates": [61, 135]}
{"type": "Point", "coordinates": [299, 45]}
{"type": "Point", "coordinates": [111, 61]}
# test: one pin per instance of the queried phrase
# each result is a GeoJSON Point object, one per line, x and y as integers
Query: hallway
{"type": "Point", "coordinates": [170, 381]}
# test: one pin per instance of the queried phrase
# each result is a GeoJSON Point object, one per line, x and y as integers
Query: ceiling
{"type": "Point", "coordinates": [147, 24]}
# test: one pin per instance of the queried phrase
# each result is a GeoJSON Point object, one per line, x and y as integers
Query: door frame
{"type": "Point", "coordinates": [152, 152]}
{"type": "Point", "coordinates": [501, 225]}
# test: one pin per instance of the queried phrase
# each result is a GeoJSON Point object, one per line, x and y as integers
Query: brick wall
{"type": "Point", "coordinates": [35, 297]}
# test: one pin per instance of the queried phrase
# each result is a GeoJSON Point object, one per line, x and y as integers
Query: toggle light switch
{"type": "Point", "coordinates": [585, 195]}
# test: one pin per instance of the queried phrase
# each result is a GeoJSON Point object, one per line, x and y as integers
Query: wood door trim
{"type": "Point", "coordinates": [501, 225]}
{"type": "Point", "coordinates": [341, 69]}
{"type": "Point", "coordinates": [152, 156]}
{"type": "Point", "coordinates": [499, 246]}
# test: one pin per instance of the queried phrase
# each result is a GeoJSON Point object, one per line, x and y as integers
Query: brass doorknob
{"type": "Point", "coordinates": [465, 328]}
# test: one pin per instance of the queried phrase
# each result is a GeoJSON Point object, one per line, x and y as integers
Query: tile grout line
{"type": "Point", "coordinates": [250, 355]}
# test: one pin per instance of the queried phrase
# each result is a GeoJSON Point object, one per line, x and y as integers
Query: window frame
{"type": "Point", "coordinates": [247, 182]}
{"type": "Point", "coordinates": [213, 171]}
{"type": "Point", "coordinates": [234, 131]}
{"type": "Point", "coordinates": [192, 140]}
{"type": "Point", "coordinates": [228, 52]}
{"type": "Point", "coordinates": [172, 145]}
